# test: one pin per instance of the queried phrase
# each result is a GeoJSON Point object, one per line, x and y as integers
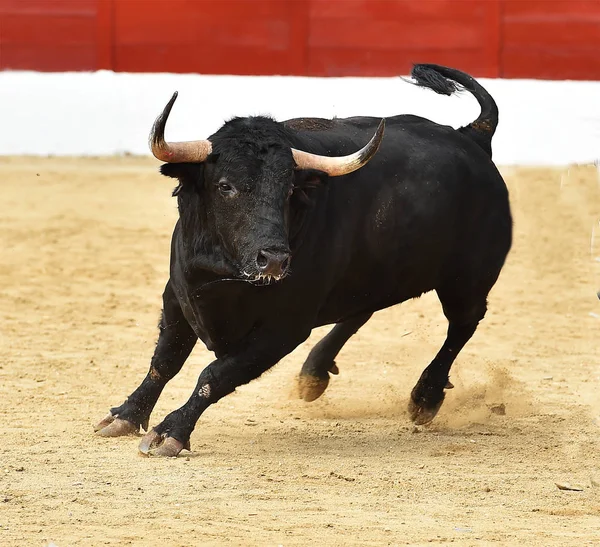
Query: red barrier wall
{"type": "Point", "coordinates": [556, 39]}
{"type": "Point", "coordinates": [552, 39]}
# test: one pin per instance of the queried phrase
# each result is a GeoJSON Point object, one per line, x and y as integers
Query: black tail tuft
{"type": "Point", "coordinates": [447, 81]}
{"type": "Point", "coordinates": [425, 77]}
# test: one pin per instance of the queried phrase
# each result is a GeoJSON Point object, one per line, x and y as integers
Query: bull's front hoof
{"type": "Point", "coordinates": [112, 426]}
{"type": "Point", "coordinates": [311, 388]}
{"type": "Point", "coordinates": [155, 444]}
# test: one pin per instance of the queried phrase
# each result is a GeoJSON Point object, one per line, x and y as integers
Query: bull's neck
{"type": "Point", "coordinates": [199, 245]}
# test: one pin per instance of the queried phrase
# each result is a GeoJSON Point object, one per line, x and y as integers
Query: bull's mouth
{"type": "Point", "coordinates": [261, 279]}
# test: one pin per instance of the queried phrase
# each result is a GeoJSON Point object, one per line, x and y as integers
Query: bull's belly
{"type": "Point", "coordinates": [343, 305]}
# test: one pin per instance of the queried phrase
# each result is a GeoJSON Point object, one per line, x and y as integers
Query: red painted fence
{"type": "Point", "coordinates": [554, 39]}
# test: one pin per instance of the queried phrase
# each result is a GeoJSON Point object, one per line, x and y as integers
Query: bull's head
{"type": "Point", "coordinates": [244, 178]}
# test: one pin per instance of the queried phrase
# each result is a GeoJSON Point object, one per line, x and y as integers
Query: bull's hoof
{"type": "Point", "coordinates": [155, 444]}
{"type": "Point", "coordinates": [112, 426]}
{"type": "Point", "coordinates": [311, 388]}
{"type": "Point", "coordinates": [426, 399]}
{"type": "Point", "coordinates": [421, 414]}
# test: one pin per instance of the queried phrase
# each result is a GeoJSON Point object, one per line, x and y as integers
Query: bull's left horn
{"type": "Point", "coordinates": [175, 152]}
{"type": "Point", "coordinates": [341, 165]}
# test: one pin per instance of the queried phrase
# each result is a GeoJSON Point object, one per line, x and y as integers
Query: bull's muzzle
{"type": "Point", "coordinates": [273, 263]}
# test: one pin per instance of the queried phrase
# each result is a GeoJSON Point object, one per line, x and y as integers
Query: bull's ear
{"type": "Point", "coordinates": [181, 171]}
{"type": "Point", "coordinates": [188, 174]}
{"type": "Point", "coordinates": [305, 181]}
{"type": "Point", "coordinates": [309, 178]}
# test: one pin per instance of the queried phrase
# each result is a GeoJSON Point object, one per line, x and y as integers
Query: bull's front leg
{"type": "Point", "coordinates": [217, 380]}
{"type": "Point", "coordinates": [175, 343]}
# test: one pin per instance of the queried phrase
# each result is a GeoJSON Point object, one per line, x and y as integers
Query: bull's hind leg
{"type": "Point", "coordinates": [314, 376]}
{"type": "Point", "coordinates": [464, 314]}
{"type": "Point", "coordinates": [176, 340]}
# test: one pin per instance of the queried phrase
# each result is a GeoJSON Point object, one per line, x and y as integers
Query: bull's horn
{"type": "Point", "coordinates": [341, 165]}
{"type": "Point", "coordinates": [175, 152]}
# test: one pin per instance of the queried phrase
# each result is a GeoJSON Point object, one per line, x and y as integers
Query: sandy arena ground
{"type": "Point", "coordinates": [84, 261]}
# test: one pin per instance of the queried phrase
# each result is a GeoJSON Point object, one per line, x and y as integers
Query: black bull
{"type": "Point", "coordinates": [264, 251]}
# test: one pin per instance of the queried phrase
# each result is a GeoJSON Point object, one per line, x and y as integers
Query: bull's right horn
{"type": "Point", "coordinates": [175, 152]}
{"type": "Point", "coordinates": [340, 165]}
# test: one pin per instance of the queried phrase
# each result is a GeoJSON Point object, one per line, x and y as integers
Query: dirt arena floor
{"type": "Point", "coordinates": [84, 261]}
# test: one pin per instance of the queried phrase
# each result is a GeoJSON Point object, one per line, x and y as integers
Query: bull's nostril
{"type": "Point", "coordinates": [274, 263]}
{"type": "Point", "coordinates": [262, 261]}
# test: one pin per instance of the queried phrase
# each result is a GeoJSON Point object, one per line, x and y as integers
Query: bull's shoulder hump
{"type": "Point", "coordinates": [311, 124]}
{"type": "Point", "coordinates": [323, 124]}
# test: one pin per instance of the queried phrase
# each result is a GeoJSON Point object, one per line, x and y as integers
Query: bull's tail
{"type": "Point", "coordinates": [447, 81]}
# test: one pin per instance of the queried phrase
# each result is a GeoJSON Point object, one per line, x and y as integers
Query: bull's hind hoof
{"type": "Point", "coordinates": [155, 444]}
{"type": "Point", "coordinates": [311, 388]}
{"type": "Point", "coordinates": [111, 426]}
{"type": "Point", "coordinates": [421, 414]}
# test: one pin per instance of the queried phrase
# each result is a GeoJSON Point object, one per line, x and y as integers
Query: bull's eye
{"type": "Point", "coordinates": [226, 189]}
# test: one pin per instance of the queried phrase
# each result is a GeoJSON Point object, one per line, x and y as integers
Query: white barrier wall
{"type": "Point", "coordinates": [103, 113]}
